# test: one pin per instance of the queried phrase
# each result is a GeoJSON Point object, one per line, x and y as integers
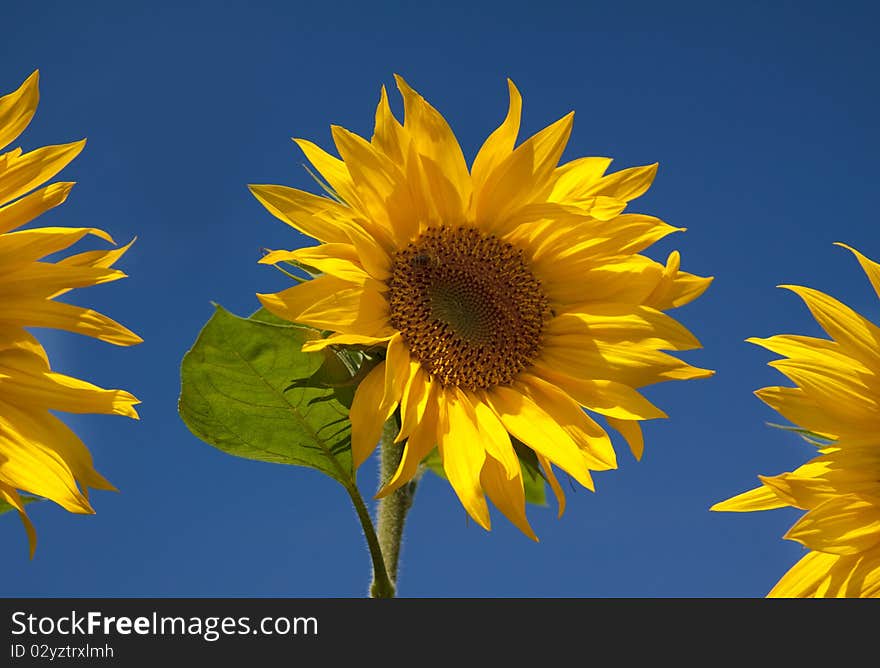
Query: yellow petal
{"type": "Point", "coordinates": [564, 411]}
{"type": "Point", "coordinates": [606, 397]}
{"type": "Point", "coordinates": [382, 187]}
{"type": "Point", "coordinates": [585, 243]}
{"type": "Point", "coordinates": [820, 352]}
{"type": "Point", "coordinates": [840, 393]}
{"type": "Point", "coordinates": [349, 340]}
{"type": "Point", "coordinates": [354, 310]}
{"type": "Point", "coordinates": [388, 134]}
{"type": "Point", "coordinates": [423, 194]}
{"type": "Point", "coordinates": [11, 497]}
{"type": "Point", "coordinates": [500, 143]}
{"type": "Point", "coordinates": [856, 335]}
{"type": "Point", "coordinates": [631, 431]}
{"type": "Point", "coordinates": [9, 157]}
{"type": "Point", "coordinates": [602, 207]}
{"type": "Point", "coordinates": [28, 245]}
{"type": "Point", "coordinates": [804, 578]}
{"type": "Point", "coordinates": [849, 469]}
{"type": "Point", "coordinates": [781, 487]}
{"type": "Point", "coordinates": [59, 392]}
{"type": "Point", "coordinates": [547, 467]}
{"type": "Point", "coordinates": [630, 280]}
{"type": "Point", "coordinates": [366, 419]}
{"type": "Point", "coordinates": [632, 365]}
{"type": "Point", "coordinates": [462, 454]}
{"type": "Point", "coordinates": [843, 471]}
{"type": "Point", "coordinates": [100, 259]}
{"type": "Point", "coordinates": [371, 252]}
{"type": "Point", "coordinates": [625, 185]}
{"type": "Point", "coordinates": [333, 170]}
{"type": "Point", "coordinates": [634, 232]}
{"type": "Point", "coordinates": [31, 312]}
{"type": "Point", "coordinates": [794, 405]}
{"type": "Point", "coordinates": [683, 289]}
{"type": "Point", "coordinates": [333, 259]}
{"type": "Point", "coordinates": [329, 303]}
{"type": "Point", "coordinates": [760, 498]}
{"type": "Point", "coordinates": [529, 423]}
{"type": "Point", "coordinates": [397, 371]}
{"type": "Point", "coordinates": [42, 456]}
{"type": "Point", "coordinates": [434, 140]}
{"type": "Point", "coordinates": [420, 442]}
{"type": "Point", "coordinates": [418, 392]}
{"type": "Point", "coordinates": [22, 345]}
{"type": "Point", "coordinates": [676, 288]}
{"type": "Point", "coordinates": [314, 216]}
{"type": "Point", "coordinates": [47, 279]}
{"type": "Point", "coordinates": [30, 170]}
{"type": "Point", "coordinates": [573, 180]}
{"type": "Point", "coordinates": [871, 268]}
{"type": "Point", "coordinates": [617, 323]}
{"type": "Point", "coordinates": [841, 525]}
{"type": "Point", "coordinates": [440, 195]}
{"type": "Point", "coordinates": [521, 175]}
{"type": "Point", "coordinates": [543, 228]}
{"type": "Point", "coordinates": [66, 443]}
{"type": "Point", "coordinates": [859, 579]}
{"type": "Point", "coordinates": [375, 399]}
{"type": "Point", "coordinates": [274, 257]}
{"type": "Point", "coordinates": [17, 109]}
{"type": "Point", "coordinates": [25, 209]}
{"type": "Point", "coordinates": [494, 436]}
{"type": "Point", "coordinates": [507, 494]}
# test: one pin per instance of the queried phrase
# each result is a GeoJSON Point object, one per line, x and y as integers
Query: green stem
{"type": "Point", "coordinates": [394, 507]}
{"type": "Point", "coordinates": [383, 586]}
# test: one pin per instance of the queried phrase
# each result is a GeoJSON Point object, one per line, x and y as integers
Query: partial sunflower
{"type": "Point", "coordinates": [505, 296]}
{"type": "Point", "coordinates": [837, 402]}
{"type": "Point", "coordinates": [38, 453]}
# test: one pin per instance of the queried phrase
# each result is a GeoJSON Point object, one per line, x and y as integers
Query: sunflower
{"type": "Point", "coordinates": [38, 453]}
{"type": "Point", "coordinates": [836, 401]}
{"type": "Point", "coordinates": [506, 298]}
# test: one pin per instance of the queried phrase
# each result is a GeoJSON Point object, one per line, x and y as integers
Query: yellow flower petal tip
{"type": "Point", "coordinates": [128, 410]}
{"type": "Point", "coordinates": [849, 248]}
{"type": "Point", "coordinates": [500, 290]}
{"type": "Point", "coordinates": [41, 455]}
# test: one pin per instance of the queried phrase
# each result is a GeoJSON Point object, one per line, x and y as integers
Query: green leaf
{"type": "Point", "coordinates": [809, 436]}
{"type": "Point", "coordinates": [533, 479]}
{"type": "Point", "coordinates": [333, 374]}
{"type": "Point", "coordinates": [337, 370]}
{"type": "Point", "coordinates": [324, 185]}
{"type": "Point", "coordinates": [265, 315]}
{"type": "Point", "coordinates": [432, 463]}
{"type": "Point", "coordinates": [6, 507]}
{"type": "Point", "coordinates": [233, 395]}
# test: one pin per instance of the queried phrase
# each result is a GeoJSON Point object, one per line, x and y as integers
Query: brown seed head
{"type": "Point", "coordinates": [467, 306]}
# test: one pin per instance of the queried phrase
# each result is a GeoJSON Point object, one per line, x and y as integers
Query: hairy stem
{"type": "Point", "coordinates": [382, 586]}
{"type": "Point", "coordinates": [394, 507]}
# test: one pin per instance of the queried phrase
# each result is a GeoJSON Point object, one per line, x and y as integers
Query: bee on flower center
{"type": "Point", "coordinates": [423, 261]}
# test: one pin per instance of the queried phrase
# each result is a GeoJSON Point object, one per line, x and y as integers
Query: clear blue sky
{"type": "Point", "coordinates": [763, 117]}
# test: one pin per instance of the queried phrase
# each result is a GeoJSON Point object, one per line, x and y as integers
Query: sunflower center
{"type": "Point", "coordinates": [467, 306]}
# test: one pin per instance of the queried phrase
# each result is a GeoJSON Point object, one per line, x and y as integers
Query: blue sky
{"type": "Point", "coordinates": [763, 120]}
